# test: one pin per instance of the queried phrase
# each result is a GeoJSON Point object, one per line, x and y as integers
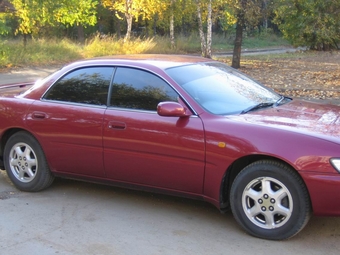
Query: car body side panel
{"type": "Point", "coordinates": [238, 139]}
{"type": "Point", "coordinates": [147, 149]}
{"type": "Point", "coordinates": [71, 136]}
{"type": "Point", "coordinates": [13, 113]}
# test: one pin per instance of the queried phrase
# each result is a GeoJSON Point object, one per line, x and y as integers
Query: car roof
{"type": "Point", "coordinates": [161, 61]}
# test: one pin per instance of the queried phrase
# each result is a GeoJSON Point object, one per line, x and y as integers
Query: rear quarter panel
{"type": "Point", "coordinates": [13, 113]}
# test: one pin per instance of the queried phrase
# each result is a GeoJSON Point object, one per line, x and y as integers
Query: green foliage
{"type": "Point", "coordinates": [183, 11]}
{"type": "Point", "coordinates": [313, 23]}
{"type": "Point", "coordinates": [75, 12]}
{"type": "Point", "coordinates": [4, 26]}
{"type": "Point", "coordinates": [244, 11]}
{"type": "Point", "coordinates": [35, 14]}
{"type": "Point", "coordinates": [136, 8]}
{"type": "Point", "coordinates": [4, 52]}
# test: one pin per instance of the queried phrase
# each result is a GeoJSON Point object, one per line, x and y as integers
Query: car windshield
{"type": "Point", "coordinates": [221, 89]}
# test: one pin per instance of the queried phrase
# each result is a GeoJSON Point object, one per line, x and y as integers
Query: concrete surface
{"type": "Point", "coordinates": [72, 218]}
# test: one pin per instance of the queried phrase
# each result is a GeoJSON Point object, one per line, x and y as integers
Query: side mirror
{"type": "Point", "coordinates": [171, 109]}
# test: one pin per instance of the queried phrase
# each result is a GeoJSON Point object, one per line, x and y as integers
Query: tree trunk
{"type": "Point", "coordinates": [128, 16]}
{"type": "Point", "coordinates": [117, 26]}
{"type": "Point", "coordinates": [172, 28]}
{"type": "Point", "coordinates": [81, 34]}
{"type": "Point", "coordinates": [200, 28]}
{"type": "Point", "coordinates": [172, 31]}
{"type": "Point", "coordinates": [154, 26]}
{"type": "Point", "coordinates": [236, 63]}
{"type": "Point", "coordinates": [129, 27]}
{"type": "Point", "coordinates": [25, 41]}
{"type": "Point", "coordinates": [209, 31]}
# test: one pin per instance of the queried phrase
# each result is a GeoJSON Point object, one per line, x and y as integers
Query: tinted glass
{"type": "Point", "coordinates": [86, 86]}
{"type": "Point", "coordinates": [221, 89]}
{"type": "Point", "coordinates": [137, 89]}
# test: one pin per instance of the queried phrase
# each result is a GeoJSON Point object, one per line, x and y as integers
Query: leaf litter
{"type": "Point", "coordinates": [314, 75]}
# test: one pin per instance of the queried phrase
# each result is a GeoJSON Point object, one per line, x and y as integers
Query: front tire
{"type": "Point", "coordinates": [269, 200]}
{"type": "Point", "coordinates": [25, 163]}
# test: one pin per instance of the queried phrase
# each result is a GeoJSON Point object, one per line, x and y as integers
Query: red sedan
{"type": "Point", "coordinates": [179, 125]}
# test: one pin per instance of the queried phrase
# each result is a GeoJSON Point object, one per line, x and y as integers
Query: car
{"type": "Point", "coordinates": [179, 125]}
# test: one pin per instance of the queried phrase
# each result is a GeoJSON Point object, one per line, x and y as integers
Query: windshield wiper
{"type": "Point", "coordinates": [279, 101]}
{"type": "Point", "coordinates": [256, 107]}
{"type": "Point", "coordinates": [282, 100]}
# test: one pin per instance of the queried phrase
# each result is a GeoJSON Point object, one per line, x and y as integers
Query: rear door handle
{"type": "Point", "coordinates": [117, 125]}
{"type": "Point", "coordinates": [39, 115]}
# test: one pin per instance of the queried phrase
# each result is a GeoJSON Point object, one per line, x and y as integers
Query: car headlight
{"type": "Point", "coordinates": [336, 163]}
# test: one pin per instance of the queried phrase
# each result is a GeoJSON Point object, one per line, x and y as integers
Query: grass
{"type": "Point", "coordinates": [112, 46]}
{"type": "Point", "coordinates": [265, 40]}
{"type": "Point", "coordinates": [46, 52]}
{"type": "Point", "coordinates": [38, 52]}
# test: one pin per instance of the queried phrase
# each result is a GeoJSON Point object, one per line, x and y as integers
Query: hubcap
{"type": "Point", "coordinates": [23, 162]}
{"type": "Point", "coordinates": [267, 202]}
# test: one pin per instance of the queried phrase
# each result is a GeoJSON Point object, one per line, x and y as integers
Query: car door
{"type": "Point", "coordinates": [68, 121]}
{"type": "Point", "coordinates": [141, 147]}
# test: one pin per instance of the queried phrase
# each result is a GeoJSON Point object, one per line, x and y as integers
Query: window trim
{"type": "Point", "coordinates": [43, 97]}
{"type": "Point", "coordinates": [115, 66]}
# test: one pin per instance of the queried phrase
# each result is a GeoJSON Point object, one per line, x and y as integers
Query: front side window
{"type": "Point", "coordinates": [138, 89]}
{"type": "Point", "coordinates": [86, 86]}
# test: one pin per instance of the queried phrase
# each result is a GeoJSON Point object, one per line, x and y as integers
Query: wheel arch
{"type": "Point", "coordinates": [235, 168]}
{"type": "Point", "coordinates": [4, 138]}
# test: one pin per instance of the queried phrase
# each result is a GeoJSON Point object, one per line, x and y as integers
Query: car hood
{"type": "Point", "coordinates": [322, 120]}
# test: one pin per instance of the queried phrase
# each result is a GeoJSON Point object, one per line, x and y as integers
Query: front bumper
{"type": "Point", "coordinates": [324, 191]}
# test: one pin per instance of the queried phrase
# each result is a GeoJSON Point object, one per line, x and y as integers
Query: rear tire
{"type": "Point", "coordinates": [25, 163]}
{"type": "Point", "coordinates": [270, 200]}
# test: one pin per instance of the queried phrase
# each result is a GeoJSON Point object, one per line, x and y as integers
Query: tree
{"type": "Point", "coordinates": [205, 41]}
{"type": "Point", "coordinates": [76, 13]}
{"type": "Point", "coordinates": [5, 9]}
{"type": "Point", "coordinates": [172, 23]}
{"type": "Point", "coordinates": [175, 14]}
{"type": "Point", "coordinates": [53, 13]}
{"type": "Point", "coordinates": [133, 9]}
{"type": "Point", "coordinates": [312, 23]}
{"type": "Point", "coordinates": [247, 13]}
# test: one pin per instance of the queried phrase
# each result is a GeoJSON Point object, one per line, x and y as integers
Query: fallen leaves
{"type": "Point", "coordinates": [315, 75]}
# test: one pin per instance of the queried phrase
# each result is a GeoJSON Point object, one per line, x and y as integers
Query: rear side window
{"type": "Point", "coordinates": [86, 86]}
{"type": "Point", "coordinates": [138, 89]}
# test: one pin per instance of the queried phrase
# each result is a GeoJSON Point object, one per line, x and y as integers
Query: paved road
{"type": "Point", "coordinates": [250, 52]}
{"type": "Point", "coordinates": [72, 218]}
{"type": "Point", "coordinates": [25, 74]}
